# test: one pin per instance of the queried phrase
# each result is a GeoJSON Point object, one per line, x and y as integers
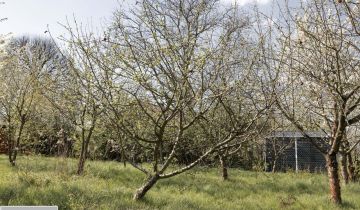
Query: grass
{"type": "Point", "coordinates": [110, 185]}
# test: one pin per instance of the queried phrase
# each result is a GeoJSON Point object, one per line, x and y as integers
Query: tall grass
{"type": "Point", "coordinates": [110, 185]}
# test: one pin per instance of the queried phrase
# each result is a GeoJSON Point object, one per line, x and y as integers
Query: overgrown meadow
{"type": "Point", "coordinates": [110, 185]}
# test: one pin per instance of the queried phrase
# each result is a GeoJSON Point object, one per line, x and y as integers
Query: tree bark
{"type": "Point", "coordinates": [10, 150]}
{"type": "Point", "coordinates": [84, 147]}
{"type": "Point", "coordinates": [333, 174]}
{"type": "Point", "coordinates": [140, 193]}
{"type": "Point", "coordinates": [83, 154]}
{"type": "Point", "coordinates": [81, 164]}
{"type": "Point", "coordinates": [344, 168]}
{"type": "Point", "coordinates": [351, 168]}
{"type": "Point", "coordinates": [275, 164]}
{"type": "Point", "coordinates": [223, 168]}
{"type": "Point", "coordinates": [14, 150]}
{"type": "Point", "coordinates": [82, 159]}
{"type": "Point", "coordinates": [11, 158]}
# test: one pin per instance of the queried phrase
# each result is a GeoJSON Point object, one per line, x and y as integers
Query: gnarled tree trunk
{"type": "Point", "coordinates": [332, 168]}
{"type": "Point", "coordinates": [140, 193]}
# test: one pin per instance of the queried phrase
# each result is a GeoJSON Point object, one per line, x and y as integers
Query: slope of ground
{"type": "Point", "coordinates": [110, 185]}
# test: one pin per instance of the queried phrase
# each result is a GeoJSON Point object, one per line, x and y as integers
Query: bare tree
{"type": "Point", "coordinates": [315, 71]}
{"type": "Point", "coordinates": [172, 62]}
{"type": "Point", "coordinates": [73, 94]}
{"type": "Point", "coordinates": [26, 63]}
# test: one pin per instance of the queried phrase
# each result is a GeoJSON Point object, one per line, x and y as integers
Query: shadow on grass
{"type": "Point", "coordinates": [347, 205]}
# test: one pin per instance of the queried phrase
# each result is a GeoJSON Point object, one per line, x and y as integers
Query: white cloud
{"type": "Point", "coordinates": [244, 2]}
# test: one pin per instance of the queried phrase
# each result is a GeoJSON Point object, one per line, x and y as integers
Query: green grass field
{"type": "Point", "coordinates": [110, 185]}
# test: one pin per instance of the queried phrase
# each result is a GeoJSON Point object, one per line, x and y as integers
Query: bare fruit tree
{"type": "Point", "coordinates": [30, 61]}
{"type": "Point", "coordinates": [163, 68]}
{"type": "Point", "coordinates": [316, 75]}
{"type": "Point", "coordinates": [73, 93]}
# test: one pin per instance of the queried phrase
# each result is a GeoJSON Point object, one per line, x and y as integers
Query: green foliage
{"type": "Point", "coordinates": [110, 185]}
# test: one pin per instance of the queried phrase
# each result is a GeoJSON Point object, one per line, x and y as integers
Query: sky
{"type": "Point", "coordinates": [33, 17]}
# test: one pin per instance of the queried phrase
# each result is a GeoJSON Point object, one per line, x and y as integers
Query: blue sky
{"type": "Point", "coordinates": [31, 17]}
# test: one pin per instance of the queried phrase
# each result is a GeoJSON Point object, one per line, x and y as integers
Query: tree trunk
{"type": "Point", "coordinates": [81, 163]}
{"type": "Point", "coordinates": [11, 157]}
{"type": "Point", "coordinates": [344, 168]}
{"type": "Point", "coordinates": [351, 168]}
{"type": "Point", "coordinates": [223, 167]}
{"type": "Point", "coordinates": [140, 193]}
{"type": "Point", "coordinates": [10, 151]}
{"type": "Point", "coordinates": [84, 149]}
{"type": "Point", "coordinates": [333, 174]}
{"type": "Point", "coordinates": [83, 156]}
{"type": "Point", "coordinates": [274, 164]}
{"type": "Point", "coordinates": [14, 150]}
